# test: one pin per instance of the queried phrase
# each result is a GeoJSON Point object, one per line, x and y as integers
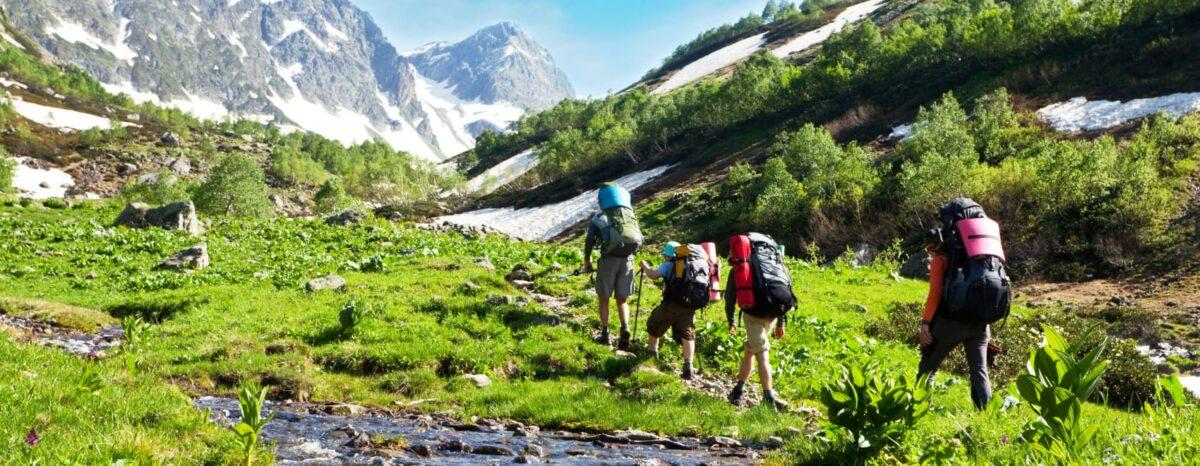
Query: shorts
{"type": "Point", "coordinates": [758, 333]}
{"type": "Point", "coordinates": [679, 319]}
{"type": "Point", "coordinates": [614, 275]}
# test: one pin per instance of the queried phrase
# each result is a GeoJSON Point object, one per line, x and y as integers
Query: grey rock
{"type": "Point", "coordinates": [127, 169]}
{"type": "Point", "coordinates": [518, 274]}
{"type": "Point", "coordinates": [175, 216]}
{"type": "Point", "coordinates": [725, 442]}
{"type": "Point", "coordinates": [421, 450]}
{"type": "Point", "coordinates": [774, 442]}
{"type": "Point", "coordinates": [347, 218]}
{"type": "Point", "coordinates": [347, 409]}
{"type": "Point", "coordinates": [193, 258]}
{"type": "Point", "coordinates": [454, 445]}
{"type": "Point", "coordinates": [285, 207]}
{"type": "Point", "coordinates": [638, 436]}
{"type": "Point", "coordinates": [534, 450]}
{"type": "Point", "coordinates": [170, 139]}
{"type": "Point", "coordinates": [362, 440]}
{"type": "Point", "coordinates": [523, 284]}
{"type": "Point", "coordinates": [181, 166]}
{"type": "Point", "coordinates": [492, 450]}
{"type": "Point", "coordinates": [526, 459]}
{"type": "Point", "coordinates": [479, 380]}
{"type": "Point", "coordinates": [332, 282]}
{"type": "Point", "coordinates": [486, 264]}
{"type": "Point", "coordinates": [864, 254]}
{"type": "Point", "coordinates": [916, 267]}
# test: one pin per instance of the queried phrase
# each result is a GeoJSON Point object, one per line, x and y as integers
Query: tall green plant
{"type": "Point", "coordinates": [251, 399]}
{"type": "Point", "coordinates": [874, 409]}
{"type": "Point", "coordinates": [135, 330]}
{"type": "Point", "coordinates": [1055, 386]}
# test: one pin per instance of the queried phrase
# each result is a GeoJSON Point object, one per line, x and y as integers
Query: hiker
{"type": "Point", "coordinates": [761, 287]}
{"type": "Point", "coordinates": [685, 271]}
{"type": "Point", "coordinates": [615, 231]}
{"type": "Point", "coordinates": [968, 291]}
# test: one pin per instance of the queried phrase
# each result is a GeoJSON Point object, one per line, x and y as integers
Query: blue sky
{"type": "Point", "coordinates": [602, 45]}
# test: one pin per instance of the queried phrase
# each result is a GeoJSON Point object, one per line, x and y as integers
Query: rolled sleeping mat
{"type": "Point", "coordinates": [981, 236]}
{"type": "Point", "coordinates": [714, 262]}
{"type": "Point", "coordinates": [613, 195]}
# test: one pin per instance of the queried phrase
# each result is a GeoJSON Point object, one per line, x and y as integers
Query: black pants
{"type": "Point", "coordinates": [948, 333]}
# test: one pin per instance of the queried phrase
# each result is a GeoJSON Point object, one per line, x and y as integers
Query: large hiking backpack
{"type": "Point", "coordinates": [620, 235]}
{"type": "Point", "coordinates": [763, 283]}
{"type": "Point", "coordinates": [689, 281]}
{"type": "Point", "coordinates": [976, 288]}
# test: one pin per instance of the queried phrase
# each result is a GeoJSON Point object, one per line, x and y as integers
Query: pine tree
{"type": "Point", "coordinates": [769, 11]}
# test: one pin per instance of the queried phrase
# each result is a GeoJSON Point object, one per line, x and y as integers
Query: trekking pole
{"type": "Point", "coordinates": [637, 312]}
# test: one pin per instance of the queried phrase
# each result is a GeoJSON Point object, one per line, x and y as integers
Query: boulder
{"type": "Point", "coordinates": [193, 258]}
{"type": "Point", "coordinates": [170, 139]}
{"type": "Point", "coordinates": [332, 282]}
{"type": "Point", "coordinates": [492, 450]}
{"type": "Point", "coordinates": [174, 216]}
{"type": "Point", "coordinates": [127, 168]}
{"type": "Point", "coordinates": [347, 218]}
{"type": "Point", "coordinates": [485, 264]}
{"type": "Point", "coordinates": [533, 450]}
{"type": "Point", "coordinates": [454, 445]}
{"type": "Point", "coordinates": [864, 254]}
{"type": "Point", "coordinates": [916, 267]}
{"type": "Point", "coordinates": [518, 274]}
{"type": "Point", "coordinates": [523, 284]}
{"type": "Point", "coordinates": [421, 450]}
{"type": "Point", "coordinates": [480, 380]}
{"type": "Point", "coordinates": [181, 165]}
{"type": "Point", "coordinates": [725, 442]}
{"type": "Point", "coordinates": [284, 206]}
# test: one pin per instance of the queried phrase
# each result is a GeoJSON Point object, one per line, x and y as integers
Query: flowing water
{"type": "Point", "coordinates": [307, 434]}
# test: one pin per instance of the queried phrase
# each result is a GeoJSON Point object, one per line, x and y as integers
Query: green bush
{"type": "Point", "coordinates": [874, 408]}
{"type": "Point", "coordinates": [165, 188]}
{"type": "Point", "coordinates": [331, 198]}
{"type": "Point", "coordinates": [235, 187]}
{"type": "Point", "coordinates": [8, 168]}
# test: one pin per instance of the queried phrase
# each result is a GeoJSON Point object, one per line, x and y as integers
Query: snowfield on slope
{"type": "Point", "coordinates": [744, 48]}
{"type": "Point", "coordinates": [61, 118]}
{"type": "Point", "coordinates": [36, 183]}
{"type": "Point", "coordinates": [545, 222]}
{"type": "Point", "coordinates": [504, 172]}
{"type": "Point", "coordinates": [1081, 114]}
{"type": "Point", "coordinates": [853, 14]}
{"type": "Point", "coordinates": [707, 64]}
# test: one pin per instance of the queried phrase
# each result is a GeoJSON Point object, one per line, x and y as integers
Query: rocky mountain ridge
{"type": "Point", "coordinates": [318, 65]}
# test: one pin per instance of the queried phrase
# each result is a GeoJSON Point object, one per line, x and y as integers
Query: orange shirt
{"type": "Point", "coordinates": [937, 274]}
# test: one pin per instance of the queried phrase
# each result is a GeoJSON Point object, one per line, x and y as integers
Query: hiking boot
{"type": "Point", "coordinates": [771, 399]}
{"type": "Point", "coordinates": [623, 340]}
{"type": "Point", "coordinates": [687, 371]}
{"type": "Point", "coordinates": [735, 395]}
{"type": "Point", "coordinates": [604, 338]}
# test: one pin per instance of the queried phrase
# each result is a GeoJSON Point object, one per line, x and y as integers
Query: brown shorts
{"type": "Point", "coordinates": [758, 333]}
{"type": "Point", "coordinates": [672, 316]}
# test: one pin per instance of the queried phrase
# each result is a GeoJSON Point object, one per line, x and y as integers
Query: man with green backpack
{"type": "Point", "coordinates": [615, 231]}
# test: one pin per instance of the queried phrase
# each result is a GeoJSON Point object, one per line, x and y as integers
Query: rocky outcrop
{"type": "Point", "coordinates": [174, 216]}
{"type": "Point", "coordinates": [916, 267]}
{"type": "Point", "coordinates": [331, 282]}
{"type": "Point", "coordinates": [193, 258]}
{"type": "Point", "coordinates": [347, 218]}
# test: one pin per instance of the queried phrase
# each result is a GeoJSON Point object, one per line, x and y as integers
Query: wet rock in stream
{"type": "Point", "coordinates": [309, 434]}
{"type": "Point", "coordinates": [73, 341]}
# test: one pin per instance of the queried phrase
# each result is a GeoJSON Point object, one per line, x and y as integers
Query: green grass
{"type": "Point", "coordinates": [248, 318]}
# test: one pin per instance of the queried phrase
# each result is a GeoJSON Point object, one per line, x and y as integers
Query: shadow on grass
{"type": "Point", "coordinates": [156, 309]}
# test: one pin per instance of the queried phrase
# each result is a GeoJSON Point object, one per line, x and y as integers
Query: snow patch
{"type": "Point", "coordinates": [901, 132]}
{"type": "Point", "coordinates": [707, 64]}
{"type": "Point", "coordinates": [504, 172]}
{"type": "Point", "coordinates": [10, 39]}
{"type": "Point", "coordinates": [36, 183]}
{"type": "Point", "coordinates": [199, 107]}
{"type": "Point", "coordinates": [1081, 114]}
{"type": "Point", "coordinates": [77, 34]}
{"type": "Point", "coordinates": [291, 27]}
{"type": "Point", "coordinates": [545, 222]}
{"type": "Point", "coordinates": [61, 118]}
{"type": "Point", "coordinates": [449, 115]}
{"type": "Point", "coordinates": [334, 32]}
{"type": "Point", "coordinates": [236, 41]}
{"type": "Point", "coordinates": [1192, 384]}
{"type": "Point", "coordinates": [289, 72]}
{"type": "Point", "coordinates": [7, 83]}
{"type": "Point", "coordinates": [850, 15]}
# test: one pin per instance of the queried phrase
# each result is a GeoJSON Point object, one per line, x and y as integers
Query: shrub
{"type": "Point", "coordinates": [1055, 386]}
{"type": "Point", "coordinates": [8, 168]}
{"type": "Point", "coordinates": [874, 409]}
{"type": "Point", "coordinates": [235, 187]}
{"type": "Point", "coordinates": [331, 198]}
{"type": "Point", "coordinates": [165, 188]}
{"type": "Point", "coordinates": [355, 312]}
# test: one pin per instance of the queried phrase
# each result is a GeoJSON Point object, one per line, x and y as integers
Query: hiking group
{"type": "Point", "coordinates": [968, 291]}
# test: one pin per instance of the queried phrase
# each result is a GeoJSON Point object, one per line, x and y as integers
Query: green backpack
{"type": "Point", "coordinates": [620, 235]}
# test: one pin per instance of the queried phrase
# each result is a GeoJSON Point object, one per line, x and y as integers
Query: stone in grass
{"type": "Point", "coordinates": [193, 258]}
{"type": "Point", "coordinates": [347, 218]}
{"type": "Point", "coordinates": [331, 282]}
{"type": "Point", "coordinates": [523, 284]}
{"type": "Point", "coordinates": [774, 442]}
{"type": "Point", "coordinates": [725, 442]}
{"type": "Point", "coordinates": [174, 216]}
{"type": "Point", "coordinates": [480, 380]}
{"type": "Point", "coordinates": [916, 267]}
{"type": "Point", "coordinates": [485, 264]}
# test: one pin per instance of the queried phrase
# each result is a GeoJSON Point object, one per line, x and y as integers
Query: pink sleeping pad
{"type": "Point", "coordinates": [981, 237]}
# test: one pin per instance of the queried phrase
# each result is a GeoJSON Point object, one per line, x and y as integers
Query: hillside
{"type": "Point", "coordinates": [319, 65]}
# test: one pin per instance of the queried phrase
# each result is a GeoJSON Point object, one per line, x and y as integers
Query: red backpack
{"type": "Point", "coordinates": [743, 275]}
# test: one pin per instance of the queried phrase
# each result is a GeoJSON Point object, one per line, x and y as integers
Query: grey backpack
{"type": "Point", "coordinates": [620, 235]}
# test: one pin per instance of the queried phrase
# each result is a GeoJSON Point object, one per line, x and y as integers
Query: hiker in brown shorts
{"type": "Point", "coordinates": [670, 315]}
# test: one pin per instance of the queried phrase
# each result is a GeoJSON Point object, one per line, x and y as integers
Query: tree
{"type": "Point", "coordinates": [995, 126]}
{"type": "Point", "coordinates": [235, 187]}
{"type": "Point", "coordinates": [331, 197]}
{"type": "Point", "coordinates": [770, 10]}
